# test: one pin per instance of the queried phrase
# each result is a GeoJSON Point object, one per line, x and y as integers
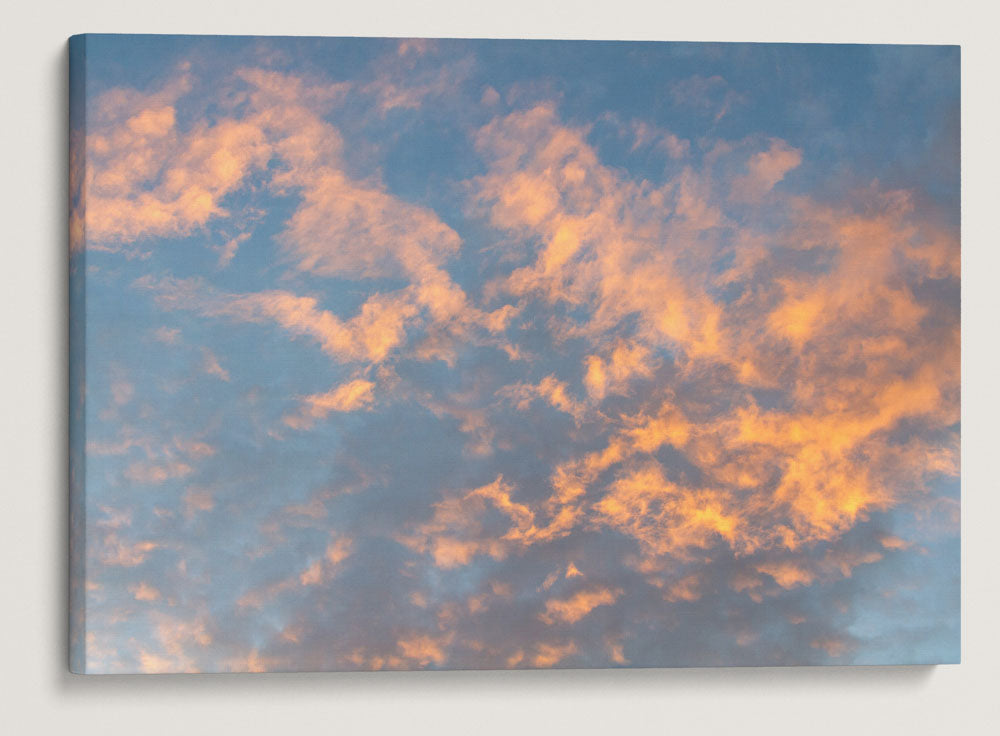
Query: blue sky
{"type": "Point", "coordinates": [476, 354]}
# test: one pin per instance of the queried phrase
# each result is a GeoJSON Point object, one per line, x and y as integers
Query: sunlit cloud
{"type": "Point", "coordinates": [351, 396]}
{"type": "Point", "coordinates": [573, 609]}
{"type": "Point", "coordinates": [418, 361]}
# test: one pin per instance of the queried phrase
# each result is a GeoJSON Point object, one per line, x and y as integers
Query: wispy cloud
{"type": "Point", "coordinates": [410, 363]}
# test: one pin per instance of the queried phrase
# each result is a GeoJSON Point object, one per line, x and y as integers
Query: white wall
{"type": "Point", "coordinates": [37, 694]}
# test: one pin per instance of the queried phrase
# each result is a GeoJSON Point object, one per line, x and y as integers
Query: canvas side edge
{"type": "Point", "coordinates": [77, 357]}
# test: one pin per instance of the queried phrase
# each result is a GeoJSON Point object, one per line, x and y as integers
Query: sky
{"type": "Point", "coordinates": [451, 354]}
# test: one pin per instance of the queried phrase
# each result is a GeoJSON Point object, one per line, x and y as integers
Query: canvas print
{"type": "Point", "coordinates": [476, 354]}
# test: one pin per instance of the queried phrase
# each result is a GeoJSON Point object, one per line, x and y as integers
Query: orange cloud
{"type": "Point", "coordinates": [344, 229]}
{"type": "Point", "coordinates": [350, 396]}
{"type": "Point", "coordinates": [616, 651]}
{"type": "Point", "coordinates": [369, 335]}
{"type": "Point", "coordinates": [574, 608]}
{"type": "Point", "coordinates": [890, 542]}
{"type": "Point", "coordinates": [685, 589]}
{"type": "Point", "coordinates": [614, 373]}
{"type": "Point", "coordinates": [765, 169]}
{"type": "Point", "coordinates": [145, 177]}
{"type": "Point", "coordinates": [456, 533]}
{"type": "Point", "coordinates": [148, 178]}
{"type": "Point", "coordinates": [823, 387]}
{"type": "Point", "coordinates": [191, 175]}
{"type": "Point", "coordinates": [406, 81]}
{"type": "Point", "coordinates": [423, 649]}
{"type": "Point", "coordinates": [144, 592]}
{"type": "Point", "coordinates": [153, 664]}
{"type": "Point", "coordinates": [313, 574]}
{"type": "Point", "coordinates": [545, 180]}
{"type": "Point", "coordinates": [210, 364]}
{"type": "Point", "coordinates": [838, 341]}
{"type": "Point", "coordinates": [338, 550]}
{"type": "Point", "coordinates": [252, 662]}
{"type": "Point", "coordinates": [787, 574]}
{"type": "Point", "coordinates": [551, 390]}
{"type": "Point", "coordinates": [318, 571]}
{"type": "Point", "coordinates": [149, 473]}
{"type": "Point", "coordinates": [664, 517]}
{"type": "Point", "coordinates": [549, 655]}
{"type": "Point", "coordinates": [120, 553]}
{"type": "Point", "coordinates": [179, 642]}
{"type": "Point", "coordinates": [197, 500]}
{"type": "Point", "coordinates": [833, 646]}
{"type": "Point", "coordinates": [168, 335]}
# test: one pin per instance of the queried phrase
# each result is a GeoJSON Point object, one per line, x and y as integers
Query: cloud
{"type": "Point", "coordinates": [729, 400]}
{"type": "Point", "coordinates": [168, 335]}
{"type": "Point", "coordinates": [549, 655]}
{"type": "Point", "coordinates": [346, 229]}
{"type": "Point", "coordinates": [424, 650]}
{"type": "Point", "coordinates": [122, 391]}
{"type": "Point", "coordinates": [144, 592]}
{"type": "Point", "coordinates": [145, 180]}
{"type": "Point", "coordinates": [614, 373]}
{"type": "Point", "coordinates": [210, 364]}
{"type": "Point", "coordinates": [685, 589]}
{"type": "Point", "coordinates": [350, 396]}
{"type": "Point", "coordinates": [228, 251]}
{"type": "Point", "coordinates": [765, 169]}
{"type": "Point", "coordinates": [147, 177]}
{"type": "Point", "coordinates": [787, 574]}
{"type": "Point", "coordinates": [375, 330]}
{"type": "Point", "coordinates": [456, 532]}
{"type": "Point", "coordinates": [121, 553]}
{"type": "Point", "coordinates": [413, 77]}
{"type": "Point", "coordinates": [551, 390]}
{"type": "Point", "coordinates": [178, 643]}
{"type": "Point", "coordinates": [835, 647]}
{"type": "Point", "coordinates": [574, 608]}
{"type": "Point", "coordinates": [645, 137]}
{"type": "Point", "coordinates": [155, 473]}
{"type": "Point", "coordinates": [196, 501]}
{"type": "Point", "coordinates": [665, 518]}
{"type": "Point", "coordinates": [711, 95]}
{"type": "Point", "coordinates": [546, 182]}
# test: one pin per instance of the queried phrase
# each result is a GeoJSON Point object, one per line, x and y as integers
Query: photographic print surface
{"type": "Point", "coordinates": [447, 354]}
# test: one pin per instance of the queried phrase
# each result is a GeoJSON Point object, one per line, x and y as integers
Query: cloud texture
{"type": "Point", "coordinates": [508, 354]}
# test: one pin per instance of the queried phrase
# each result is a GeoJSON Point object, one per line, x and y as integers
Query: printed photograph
{"type": "Point", "coordinates": [406, 354]}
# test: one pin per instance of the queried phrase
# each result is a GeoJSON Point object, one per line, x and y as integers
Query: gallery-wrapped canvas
{"type": "Point", "coordinates": [474, 354]}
